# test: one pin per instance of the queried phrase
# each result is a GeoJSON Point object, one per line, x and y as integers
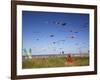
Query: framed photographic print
{"type": "Point", "coordinates": [52, 39]}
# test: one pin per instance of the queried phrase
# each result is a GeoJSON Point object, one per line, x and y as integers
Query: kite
{"type": "Point", "coordinates": [51, 35]}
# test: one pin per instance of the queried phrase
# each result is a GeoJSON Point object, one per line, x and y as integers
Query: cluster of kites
{"type": "Point", "coordinates": [62, 27]}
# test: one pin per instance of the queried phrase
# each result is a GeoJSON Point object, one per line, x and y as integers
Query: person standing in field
{"type": "Point", "coordinates": [69, 59]}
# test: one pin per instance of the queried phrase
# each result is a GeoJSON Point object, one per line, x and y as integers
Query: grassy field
{"type": "Point", "coordinates": [54, 62]}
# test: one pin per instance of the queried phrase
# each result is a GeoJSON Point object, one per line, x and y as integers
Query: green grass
{"type": "Point", "coordinates": [54, 62]}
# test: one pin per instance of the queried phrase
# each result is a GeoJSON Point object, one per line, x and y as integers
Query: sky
{"type": "Point", "coordinates": [55, 32]}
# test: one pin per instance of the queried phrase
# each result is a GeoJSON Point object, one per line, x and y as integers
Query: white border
{"type": "Point", "coordinates": [21, 71]}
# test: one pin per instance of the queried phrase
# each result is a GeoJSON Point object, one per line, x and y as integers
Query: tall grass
{"type": "Point", "coordinates": [54, 62]}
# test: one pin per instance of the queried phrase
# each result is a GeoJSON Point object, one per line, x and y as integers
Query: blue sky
{"type": "Point", "coordinates": [52, 33]}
